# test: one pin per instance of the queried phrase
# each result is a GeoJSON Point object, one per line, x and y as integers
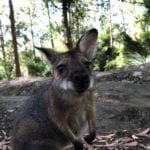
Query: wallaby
{"type": "Point", "coordinates": [57, 117]}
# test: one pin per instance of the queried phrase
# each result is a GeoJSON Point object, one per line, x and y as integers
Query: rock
{"type": "Point", "coordinates": [138, 74]}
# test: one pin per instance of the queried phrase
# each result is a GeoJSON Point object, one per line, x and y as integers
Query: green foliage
{"type": "Point", "coordinates": [7, 65]}
{"type": "Point", "coordinates": [105, 55]}
{"type": "Point", "coordinates": [1, 76]}
{"type": "Point", "coordinates": [125, 51]}
{"type": "Point", "coordinates": [35, 65]}
{"type": "Point", "coordinates": [136, 59]}
{"type": "Point", "coordinates": [147, 4]}
{"type": "Point", "coordinates": [37, 68]}
{"type": "Point", "coordinates": [145, 40]}
{"type": "Point", "coordinates": [141, 50]}
{"type": "Point", "coordinates": [131, 46]}
{"type": "Point", "coordinates": [111, 65]}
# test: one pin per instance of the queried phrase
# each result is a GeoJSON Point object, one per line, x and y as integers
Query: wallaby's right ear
{"type": "Point", "coordinates": [49, 53]}
{"type": "Point", "coordinates": [87, 43]}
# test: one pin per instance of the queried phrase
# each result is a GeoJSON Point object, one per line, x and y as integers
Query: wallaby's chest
{"type": "Point", "coordinates": [77, 121]}
{"type": "Point", "coordinates": [75, 114]}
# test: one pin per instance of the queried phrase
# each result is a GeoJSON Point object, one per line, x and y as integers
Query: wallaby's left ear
{"type": "Point", "coordinates": [87, 43]}
{"type": "Point", "coordinates": [49, 53]}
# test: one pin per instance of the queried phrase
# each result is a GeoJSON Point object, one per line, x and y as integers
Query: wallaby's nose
{"type": "Point", "coordinates": [81, 78]}
{"type": "Point", "coordinates": [81, 81]}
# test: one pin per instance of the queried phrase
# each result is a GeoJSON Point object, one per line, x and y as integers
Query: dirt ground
{"type": "Point", "coordinates": [123, 106]}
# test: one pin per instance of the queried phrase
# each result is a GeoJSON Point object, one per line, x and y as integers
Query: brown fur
{"type": "Point", "coordinates": [57, 117]}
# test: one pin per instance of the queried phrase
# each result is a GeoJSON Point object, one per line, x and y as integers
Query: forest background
{"type": "Point", "coordinates": [123, 25]}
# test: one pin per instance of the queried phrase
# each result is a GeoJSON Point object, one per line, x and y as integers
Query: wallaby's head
{"type": "Point", "coordinates": [71, 70]}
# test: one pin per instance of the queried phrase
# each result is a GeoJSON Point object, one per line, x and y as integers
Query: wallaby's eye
{"type": "Point", "coordinates": [61, 68]}
{"type": "Point", "coordinates": [87, 64]}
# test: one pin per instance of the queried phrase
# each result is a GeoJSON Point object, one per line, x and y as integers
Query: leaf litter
{"type": "Point", "coordinates": [137, 139]}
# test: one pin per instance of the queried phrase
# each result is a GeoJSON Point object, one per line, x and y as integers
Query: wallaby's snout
{"type": "Point", "coordinates": [81, 80]}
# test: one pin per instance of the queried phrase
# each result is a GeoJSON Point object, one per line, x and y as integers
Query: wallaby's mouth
{"type": "Point", "coordinates": [81, 90]}
{"type": "Point", "coordinates": [81, 87]}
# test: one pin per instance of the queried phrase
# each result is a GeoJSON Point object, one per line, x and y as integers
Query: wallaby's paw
{"type": "Point", "coordinates": [78, 145]}
{"type": "Point", "coordinates": [89, 138]}
{"type": "Point", "coordinates": [88, 147]}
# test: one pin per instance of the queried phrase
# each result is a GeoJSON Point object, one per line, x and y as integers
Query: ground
{"type": "Point", "coordinates": [123, 107]}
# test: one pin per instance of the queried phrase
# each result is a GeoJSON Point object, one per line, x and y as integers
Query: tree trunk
{"type": "Point", "coordinates": [67, 29]}
{"type": "Point", "coordinates": [14, 40]}
{"type": "Point", "coordinates": [32, 33]}
{"type": "Point", "coordinates": [2, 46]}
{"type": "Point", "coordinates": [2, 42]}
{"type": "Point", "coordinates": [123, 20]}
{"type": "Point", "coordinates": [50, 26]}
{"type": "Point", "coordinates": [110, 24]}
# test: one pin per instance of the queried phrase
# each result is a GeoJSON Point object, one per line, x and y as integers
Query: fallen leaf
{"type": "Point", "coordinates": [134, 137]}
{"type": "Point", "coordinates": [125, 139]}
{"type": "Point", "coordinates": [133, 144]}
{"type": "Point", "coordinates": [147, 147]}
{"type": "Point", "coordinates": [144, 133]}
{"type": "Point", "coordinates": [108, 136]}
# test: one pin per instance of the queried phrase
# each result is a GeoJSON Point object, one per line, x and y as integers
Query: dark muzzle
{"type": "Point", "coordinates": [80, 81]}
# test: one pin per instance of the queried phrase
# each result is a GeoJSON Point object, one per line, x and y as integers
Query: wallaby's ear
{"type": "Point", "coordinates": [87, 43]}
{"type": "Point", "coordinates": [49, 53]}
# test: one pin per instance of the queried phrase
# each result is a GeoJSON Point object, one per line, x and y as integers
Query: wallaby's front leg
{"type": "Point", "coordinates": [91, 116]}
{"type": "Point", "coordinates": [65, 129]}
